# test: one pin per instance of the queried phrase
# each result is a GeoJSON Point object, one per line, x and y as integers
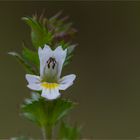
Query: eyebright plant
{"type": "Point", "coordinates": [52, 49]}
{"type": "Point", "coordinates": [49, 81]}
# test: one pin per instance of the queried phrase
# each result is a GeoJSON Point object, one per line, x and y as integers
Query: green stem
{"type": "Point", "coordinates": [49, 132]}
{"type": "Point", "coordinates": [44, 133]}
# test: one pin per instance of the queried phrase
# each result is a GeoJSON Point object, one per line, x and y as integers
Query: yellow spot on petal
{"type": "Point", "coordinates": [49, 85]}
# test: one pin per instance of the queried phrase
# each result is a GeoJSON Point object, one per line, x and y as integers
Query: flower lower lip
{"type": "Point", "coordinates": [49, 85]}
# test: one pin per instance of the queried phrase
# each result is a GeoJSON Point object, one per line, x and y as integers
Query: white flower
{"type": "Point", "coordinates": [49, 81]}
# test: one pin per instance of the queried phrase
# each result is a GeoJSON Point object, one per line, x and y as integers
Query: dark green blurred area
{"type": "Point", "coordinates": [107, 64]}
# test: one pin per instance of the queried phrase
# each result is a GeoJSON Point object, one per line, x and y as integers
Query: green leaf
{"type": "Point", "coordinates": [26, 65]}
{"type": "Point", "coordinates": [46, 113]}
{"type": "Point", "coordinates": [70, 50]}
{"type": "Point", "coordinates": [34, 111]}
{"type": "Point", "coordinates": [58, 109]}
{"type": "Point", "coordinates": [67, 132]}
{"type": "Point", "coordinates": [31, 57]}
{"type": "Point", "coordinates": [39, 33]}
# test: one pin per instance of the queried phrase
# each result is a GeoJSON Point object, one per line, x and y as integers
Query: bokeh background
{"type": "Point", "coordinates": [107, 62]}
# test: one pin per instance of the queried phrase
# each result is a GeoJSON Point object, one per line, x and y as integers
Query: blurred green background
{"type": "Point", "coordinates": [107, 62]}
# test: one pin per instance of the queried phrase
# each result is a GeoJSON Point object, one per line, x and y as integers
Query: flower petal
{"type": "Point", "coordinates": [66, 81]}
{"type": "Point", "coordinates": [34, 87]}
{"type": "Point", "coordinates": [47, 71]}
{"type": "Point", "coordinates": [32, 79]}
{"type": "Point", "coordinates": [34, 82]}
{"type": "Point", "coordinates": [44, 55]}
{"type": "Point", "coordinates": [60, 56]}
{"type": "Point", "coordinates": [50, 94]}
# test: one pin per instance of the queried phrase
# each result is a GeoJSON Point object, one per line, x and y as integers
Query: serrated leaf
{"type": "Point", "coordinates": [70, 50]}
{"type": "Point", "coordinates": [34, 111]}
{"type": "Point", "coordinates": [27, 66]}
{"type": "Point", "coordinates": [60, 108]}
{"type": "Point", "coordinates": [45, 112]}
{"type": "Point", "coordinates": [31, 56]}
{"type": "Point", "coordinates": [39, 34]}
{"type": "Point", "coordinates": [67, 132]}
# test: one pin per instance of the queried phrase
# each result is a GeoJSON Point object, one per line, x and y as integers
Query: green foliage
{"type": "Point", "coordinates": [39, 34]}
{"type": "Point", "coordinates": [33, 109]}
{"type": "Point", "coordinates": [46, 113]}
{"type": "Point", "coordinates": [29, 59]}
{"type": "Point", "coordinates": [50, 31]}
{"type": "Point", "coordinates": [24, 62]}
{"type": "Point", "coordinates": [68, 132]}
{"type": "Point", "coordinates": [31, 56]}
{"type": "Point", "coordinates": [69, 56]}
{"type": "Point", "coordinates": [54, 31]}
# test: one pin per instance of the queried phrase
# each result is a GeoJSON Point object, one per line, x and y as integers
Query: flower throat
{"type": "Point", "coordinates": [51, 63]}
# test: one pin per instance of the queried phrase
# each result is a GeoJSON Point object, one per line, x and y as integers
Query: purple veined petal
{"type": "Point", "coordinates": [60, 56]}
{"type": "Point", "coordinates": [44, 54]}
